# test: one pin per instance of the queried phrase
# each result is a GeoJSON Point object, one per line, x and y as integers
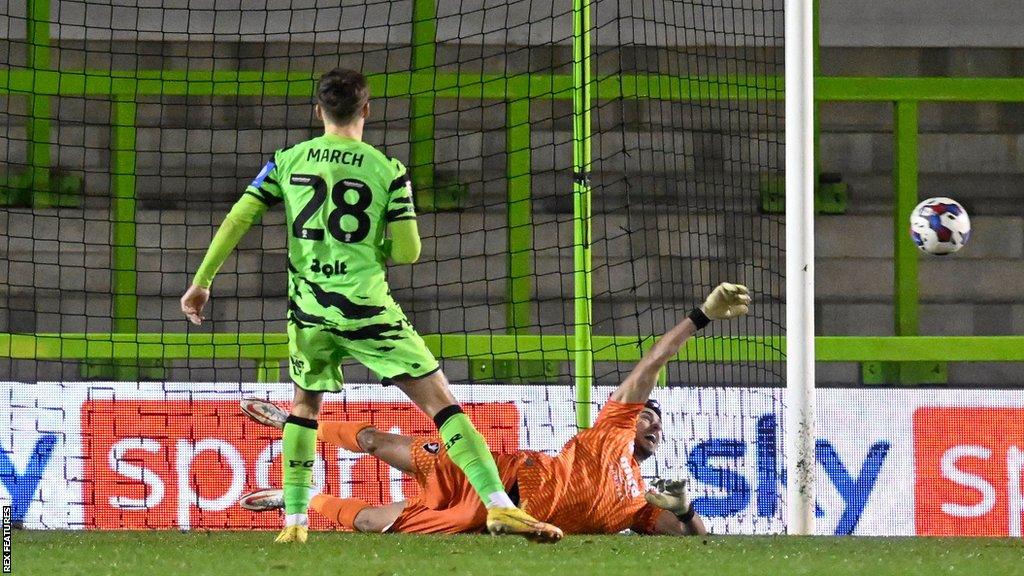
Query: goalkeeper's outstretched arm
{"type": "Point", "coordinates": [726, 301]}
{"type": "Point", "coordinates": [246, 212]}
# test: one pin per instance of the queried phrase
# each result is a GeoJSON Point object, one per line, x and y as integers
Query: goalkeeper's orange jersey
{"type": "Point", "coordinates": [594, 485]}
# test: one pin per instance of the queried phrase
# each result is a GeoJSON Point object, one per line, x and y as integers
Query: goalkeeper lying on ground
{"type": "Point", "coordinates": [593, 486]}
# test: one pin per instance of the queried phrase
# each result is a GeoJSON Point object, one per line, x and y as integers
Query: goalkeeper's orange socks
{"type": "Point", "coordinates": [298, 453]}
{"type": "Point", "coordinates": [342, 433]}
{"type": "Point", "coordinates": [341, 511]}
{"type": "Point", "coordinates": [468, 450]}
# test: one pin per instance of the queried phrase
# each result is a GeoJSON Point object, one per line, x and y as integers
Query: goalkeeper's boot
{"type": "Point", "coordinates": [515, 521]}
{"type": "Point", "coordinates": [263, 500]}
{"type": "Point", "coordinates": [263, 412]}
{"type": "Point", "coordinates": [293, 533]}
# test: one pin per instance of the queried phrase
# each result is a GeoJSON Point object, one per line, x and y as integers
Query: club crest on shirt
{"type": "Point", "coordinates": [432, 447]}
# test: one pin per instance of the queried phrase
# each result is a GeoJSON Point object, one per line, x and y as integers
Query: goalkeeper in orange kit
{"type": "Point", "coordinates": [592, 486]}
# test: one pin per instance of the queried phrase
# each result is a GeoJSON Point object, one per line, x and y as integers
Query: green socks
{"type": "Point", "coordinates": [297, 456]}
{"type": "Point", "coordinates": [469, 451]}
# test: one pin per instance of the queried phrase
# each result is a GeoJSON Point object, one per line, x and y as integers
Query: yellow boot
{"type": "Point", "coordinates": [293, 533]}
{"type": "Point", "coordinates": [515, 521]}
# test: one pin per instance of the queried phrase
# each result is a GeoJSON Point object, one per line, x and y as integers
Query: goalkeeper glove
{"type": "Point", "coordinates": [727, 301]}
{"type": "Point", "coordinates": [671, 496]}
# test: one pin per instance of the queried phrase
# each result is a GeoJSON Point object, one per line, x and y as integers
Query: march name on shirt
{"type": "Point", "coordinates": [336, 156]}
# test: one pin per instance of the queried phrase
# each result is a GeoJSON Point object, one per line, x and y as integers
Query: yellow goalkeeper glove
{"type": "Point", "coordinates": [671, 496]}
{"type": "Point", "coordinates": [727, 301]}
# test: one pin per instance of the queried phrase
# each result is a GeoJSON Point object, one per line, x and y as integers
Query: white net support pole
{"type": "Point", "coordinates": [800, 424]}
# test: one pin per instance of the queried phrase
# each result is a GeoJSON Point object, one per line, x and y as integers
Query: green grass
{"type": "Point", "coordinates": [51, 553]}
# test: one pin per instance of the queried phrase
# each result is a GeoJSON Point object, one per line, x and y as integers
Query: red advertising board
{"type": "Point", "coordinates": [969, 464]}
{"type": "Point", "coordinates": [183, 464]}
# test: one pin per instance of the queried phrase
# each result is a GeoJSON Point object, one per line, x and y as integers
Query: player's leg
{"type": "Point", "coordinates": [418, 518]}
{"type": "Point", "coordinates": [315, 369]}
{"type": "Point", "coordinates": [466, 447]}
{"type": "Point", "coordinates": [390, 346]}
{"type": "Point", "coordinates": [360, 437]}
{"type": "Point", "coordinates": [405, 360]}
{"type": "Point", "coordinates": [350, 513]}
{"type": "Point", "coordinates": [354, 514]}
{"type": "Point", "coordinates": [398, 517]}
{"type": "Point", "coordinates": [393, 449]}
{"type": "Point", "coordinates": [298, 453]}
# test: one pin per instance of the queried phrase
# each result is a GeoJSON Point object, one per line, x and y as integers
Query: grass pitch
{"type": "Point", "coordinates": [228, 553]}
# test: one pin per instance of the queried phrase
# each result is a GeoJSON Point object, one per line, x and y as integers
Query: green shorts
{"type": "Point", "coordinates": [386, 344]}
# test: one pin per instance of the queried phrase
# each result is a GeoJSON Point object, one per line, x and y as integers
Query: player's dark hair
{"type": "Point", "coordinates": [342, 93]}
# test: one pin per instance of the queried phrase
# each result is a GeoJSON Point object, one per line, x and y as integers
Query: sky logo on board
{"type": "Point", "coordinates": [21, 485]}
{"type": "Point", "coordinates": [716, 463]}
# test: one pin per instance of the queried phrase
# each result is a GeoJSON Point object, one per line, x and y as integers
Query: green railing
{"type": "Point", "coordinates": [905, 94]}
{"type": "Point", "coordinates": [423, 85]}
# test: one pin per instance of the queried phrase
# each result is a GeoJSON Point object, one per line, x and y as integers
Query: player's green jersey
{"type": "Point", "coordinates": [339, 195]}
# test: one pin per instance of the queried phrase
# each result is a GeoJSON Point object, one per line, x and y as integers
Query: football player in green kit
{"type": "Point", "coordinates": [349, 209]}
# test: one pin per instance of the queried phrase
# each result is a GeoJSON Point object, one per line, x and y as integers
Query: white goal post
{"type": "Point", "coordinates": [800, 423]}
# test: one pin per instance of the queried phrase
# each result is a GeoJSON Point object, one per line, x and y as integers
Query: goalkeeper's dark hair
{"type": "Point", "coordinates": [342, 93]}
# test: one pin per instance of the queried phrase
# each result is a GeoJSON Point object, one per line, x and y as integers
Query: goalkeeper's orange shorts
{"type": "Point", "coordinates": [447, 502]}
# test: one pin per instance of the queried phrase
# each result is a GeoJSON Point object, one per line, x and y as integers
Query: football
{"type": "Point", "coordinates": [940, 226]}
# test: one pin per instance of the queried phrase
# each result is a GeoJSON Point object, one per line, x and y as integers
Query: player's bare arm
{"type": "Point", "coordinates": [725, 301]}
